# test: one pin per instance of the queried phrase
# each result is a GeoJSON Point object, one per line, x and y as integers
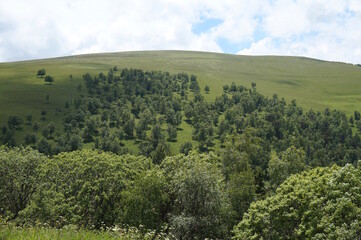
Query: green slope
{"type": "Point", "coordinates": [313, 83]}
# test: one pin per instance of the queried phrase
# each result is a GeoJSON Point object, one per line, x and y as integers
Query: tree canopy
{"type": "Point", "coordinates": [41, 72]}
{"type": "Point", "coordinates": [323, 203]}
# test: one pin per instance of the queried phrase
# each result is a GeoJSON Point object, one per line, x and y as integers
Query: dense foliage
{"type": "Point", "coordinates": [244, 149]}
{"type": "Point", "coordinates": [132, 107]}
{"type": "Point", "coordinates": [324, 203]}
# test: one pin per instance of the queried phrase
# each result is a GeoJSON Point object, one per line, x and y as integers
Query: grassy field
{"type": "Point", "coordinates": [38, 233]}
{"type": "Point", "coordinates": [313, 83]}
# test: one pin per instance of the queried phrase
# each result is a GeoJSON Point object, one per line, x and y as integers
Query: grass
{"type": "Point", "coordinates": [8, 232]}
{"type": "Point", "coordinates": [314, 84]}
{"type": "Point", "coordinates": [54, 234]}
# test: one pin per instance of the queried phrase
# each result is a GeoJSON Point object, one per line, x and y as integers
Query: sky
{"type": "Point", "coordinates": [322, 29]}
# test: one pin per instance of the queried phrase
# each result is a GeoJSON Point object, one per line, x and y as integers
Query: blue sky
{"type": "Point", "coordinates": [323, 29]}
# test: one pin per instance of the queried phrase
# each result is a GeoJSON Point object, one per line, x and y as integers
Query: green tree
{"type": "Point", "coordinates": [84, 188]}
{"type": "Point", "coordinates": [357, 115]}
{"type": "Point", "coordinates": [19, 171]}
{"type": "Point", "coordinates": [128, 128]}
{"type": "Point", "coordinates": [225, 88]}
{"type": "Point", "coordinates": [140, 129]}
{"type": "Point", "coordinates": [156, 135]}
{"type": "Point", "coordinates": [49, 79]}
{"type": "Point", "coordinates": [43, 115]}
{"type": "Point", "coordinates": [206, 89]}
{"type": "Point", "coordinates": [86, 135]}
{"type": "Point", "coordinates": [8, 138]}
{"type": "Point", "coordinates": [172, 133]}
{"type": "Point", "coordinates": [36, 127]}
{"type": "Point", "coordinates": [323, 203]}
{"type": "Point", "coordinates": [14, 122]}
{"type": "Point", "coordinates": [291, 161]}
{"type": "Point", "coordinates": [41, 73]}
{"type": "Point", "coordinates": [29, 119]}
{"type": "Point", "coordinates": [239, 176]}
{"type": "Point", "coordinates": [30, 138]}
{"type": "Point", "coordinates": [198, 190]}
{"type": "Point", "coordinates": [186, 148]}
{"type": "Point", "coordinates": [319, 204]}
{"type": "Point", "coordinates": [159, 153]}
{"type": "Point", "coordinates": [44, 147]}
{"type": "Point", "coordinates": [49, 130]}
{"type": "Point", "coordinates": [146, 200]}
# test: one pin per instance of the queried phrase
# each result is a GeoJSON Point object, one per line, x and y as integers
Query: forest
{"type": "Point", "coordinates": [144, 149]}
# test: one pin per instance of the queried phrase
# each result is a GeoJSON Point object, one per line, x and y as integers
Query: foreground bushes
{"type": "Point", "coordinates": [324, 203]}
{"type": "Point", "coordinates": [83, 188]}
{"type": "Point", "coordinates": [185, 196]}
{"type": "Point", "coordinates": [98, 190]}
{"type": "Point", "coordinates": [19, 179]}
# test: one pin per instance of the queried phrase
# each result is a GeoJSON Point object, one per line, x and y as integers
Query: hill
{"type": "Point", "coordinates": [313, 83]}
{"type": "Point", "coordinates": [103, 143]}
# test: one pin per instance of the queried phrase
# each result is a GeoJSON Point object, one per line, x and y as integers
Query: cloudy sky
{"type": "Point", "coordinates": [324, 29]}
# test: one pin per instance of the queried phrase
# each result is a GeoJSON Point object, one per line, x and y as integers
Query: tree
{"type": "Point", "coordinates": [87, 135]}
{"type": "Point", "coordinates": [128, 127]}
{"type": "Point", "coordinates": [19, 179]}
{"type": "Point", "coordinates": [4, 129]}
{"type": "Point", "coordinates": [29, 118]}
{"type": "Point", "coordinates": [140, 129]}
{"type": "Point", "coordinates": [8, 138]}
{"type": "Point", "coordinates": [43, 115]}
{"type": "Point", "coordinates": [14, 122]}
{"type": "Point", "coordinates": [351, 120]}
{"type": "Point", "coordinates": [30, 138]}
{"type": "Point", "coordinates": [156, 135]}
{"type": "Point", "coordinates": [357, 115]}
{"type": "Point", "coordinates": [49, 79]}
{"type": "Point", "coordinates": [172, 133]}
{"type": "Point", "coordinates": [188, 111]}
{"type": "Point", "coordinates": [291, 161]}
{"type": "Point", "coordinates": [36, 127]}
{"type": "Point", "coordinates": [146, 200]}
{"type": "Point", "coordinates": [225, 88]}
{"type": "Point", "coordinates": [199, 201]}
{"type": "Point", "coordinates": [206, 89]}
{"type": "Point", "coordinates": [323, 203]}
{"type": "Point", "coordinates": [44, 147]}
{"type": "Point", "coordinates": [84, 188]}
{"type": "Point", "coordinates": [239, 176]}
{"type": "Point", "coordinates": [186, 148]}
{"type": "Point", "coordinates": [41, 73]}
{"type": "Point", "coordinates": [159, 153]}
{"type": "Point", "coordinates": [49, 130]}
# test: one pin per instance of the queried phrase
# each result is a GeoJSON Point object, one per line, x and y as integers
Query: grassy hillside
{"type": "Point", "coordinates": [314, 84]}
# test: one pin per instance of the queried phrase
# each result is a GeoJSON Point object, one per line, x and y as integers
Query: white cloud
{"type": "Point", "coordinates": [320, 29]}
{"type": "Point", "coordinates": [326, 29]}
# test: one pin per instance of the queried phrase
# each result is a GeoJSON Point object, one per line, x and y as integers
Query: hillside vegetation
{"type": "Point", "coordinates": [315, 84]}
{"type": "Point", "coordinates": [176, 154]}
